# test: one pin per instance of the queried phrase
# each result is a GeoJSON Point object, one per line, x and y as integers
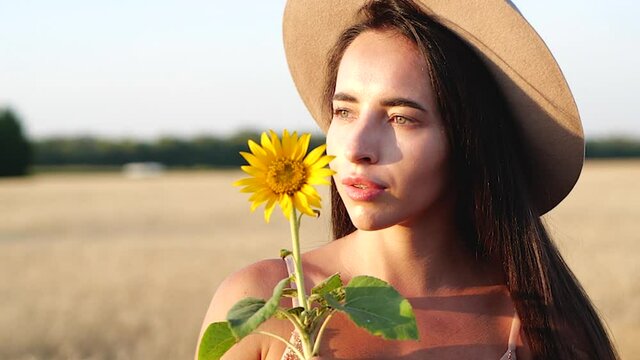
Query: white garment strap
{"type": "Point", "coordinates": [291, 269]}
{"type": "Point", "coordinates": [513, 339]}
{"type": "Point", "coordinates": [515, 332]}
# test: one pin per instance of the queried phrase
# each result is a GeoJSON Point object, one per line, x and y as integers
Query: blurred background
{"type": "Point", "coordinates": [120, 124]}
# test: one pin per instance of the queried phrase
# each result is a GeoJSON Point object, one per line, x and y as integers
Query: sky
{"type": "Point", "coordinates": [143, 69]}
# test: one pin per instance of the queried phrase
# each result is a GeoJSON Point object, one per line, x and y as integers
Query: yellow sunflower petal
{"type": "Point", "coordinates": [322, 162]}
{"type": "Point", "coordinates": [286, 143]}
{"type": "Point", "coordinates": [252, 188]}
{"type": "Point", "coordinates": [318, 180]}
{"type": "Point", "coordinates": [262, 195]}
{"type": "Point", "coordinates": [300, 202]}
{"type": "Point", "coordinates": [314, 155]}
{"type": "Point", "coordinates": [302, 147]}
{"type": "Point", "coordinates": [255, 204]}
{"type": "Point", "coordinates": [267, 144]}
{"type": "Point", "coordinates": [257, 150]}
{"type": "Point", "coordinates": [286, 205]}
{"type": "Point", "coordinates": [312, 195]}
{"type": "Point", "coordinates": [309, 191]}
{"type": "Point", "coordinates": [324, 172]}
{"type": "Point", "coordinates": [277, 146]}
{"type": "Point", "coordinates": [315, 203]}
{"type": "Point", "coordinates": [268, 209]}
{"type": "Point", "coordinates": [293, 144]}
{"type": "Point", "coordinates": [253, 171]}
{"type": "Point", "coordinates": [246, 181]}
{"type": "Point", "coordinates": [253, 160]}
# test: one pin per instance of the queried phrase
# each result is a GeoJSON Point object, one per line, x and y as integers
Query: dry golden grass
{"type": "Point", "coordinates": [98, 266]}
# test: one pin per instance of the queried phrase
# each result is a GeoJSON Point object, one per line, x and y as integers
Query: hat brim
{"type": "Point", "coordinates": [527, 72]}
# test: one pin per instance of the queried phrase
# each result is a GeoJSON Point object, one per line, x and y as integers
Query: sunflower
{"type": "Point", "coordinates": [282, 174]}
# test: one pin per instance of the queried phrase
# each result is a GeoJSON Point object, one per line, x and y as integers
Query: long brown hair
{"type": "Point", "coordinates": [494, 207]}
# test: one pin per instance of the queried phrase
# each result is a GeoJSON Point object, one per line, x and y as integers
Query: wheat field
{"type": "Point", "coordinates": [100, 266]}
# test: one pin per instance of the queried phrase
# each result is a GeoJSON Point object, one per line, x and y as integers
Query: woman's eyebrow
{"type": "Point", "coordinates": [344, 97]}
{"type": "Point", "coordinates": [402, 102]}
{"type": "Point", "coordinates": [386, 103]}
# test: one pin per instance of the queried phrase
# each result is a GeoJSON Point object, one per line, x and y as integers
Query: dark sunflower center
{"type": "Point", "coordinates": [286, 176]}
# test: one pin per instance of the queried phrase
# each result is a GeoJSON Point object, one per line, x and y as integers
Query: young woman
{"type": "Point", "coordinates": [453, 131]}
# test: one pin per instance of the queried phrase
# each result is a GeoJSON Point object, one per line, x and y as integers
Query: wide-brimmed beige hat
{"type": "Point", "coordinates": [521, 62]}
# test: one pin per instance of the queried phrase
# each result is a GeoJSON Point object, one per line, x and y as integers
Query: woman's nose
{"type": "Point", "coordinates": [362, 144]}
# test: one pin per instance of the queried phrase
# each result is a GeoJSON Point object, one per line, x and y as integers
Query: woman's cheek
{"type": "Point", "coordinates": [332, 146]}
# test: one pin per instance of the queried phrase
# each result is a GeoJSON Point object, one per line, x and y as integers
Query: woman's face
{"type": "Point", "coordinates": [392, 154]}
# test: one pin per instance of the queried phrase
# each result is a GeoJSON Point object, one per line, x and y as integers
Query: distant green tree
{"type": "Point", "coordinates": [199, 151]}
{"type": "Point", "coordinates": [15, 150]}
{"type": "Point", "coordinates": [613, 147]}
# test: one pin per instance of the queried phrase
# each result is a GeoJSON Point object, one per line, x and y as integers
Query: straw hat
{"type": "Point", "coordinates": [528, 74]}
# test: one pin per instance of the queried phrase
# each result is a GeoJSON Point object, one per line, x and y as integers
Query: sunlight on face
{"type": "Point", "coordinates": [387, 135]}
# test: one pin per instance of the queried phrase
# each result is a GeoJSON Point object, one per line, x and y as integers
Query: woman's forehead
{"type": "Point", "coordinates": [381, 62]}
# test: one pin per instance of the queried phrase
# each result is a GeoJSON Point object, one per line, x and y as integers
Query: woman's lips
{"type": "Point", "coordinates": [362, 189]}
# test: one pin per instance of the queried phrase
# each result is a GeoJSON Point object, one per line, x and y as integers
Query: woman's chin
{"type": "Point", "coordinates": [366, 222]}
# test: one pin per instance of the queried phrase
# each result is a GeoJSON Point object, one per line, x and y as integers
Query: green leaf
{"type": "Point", "coordinates": [217, 339]}
{"type": "Point", "coordinates": [281, 313]}
{"type": "Point", "coordinates": [296, 311]}
{"type": "Point", "coordinates": [327, 285]}
{"type": "Point", "coordinates": [247, 314]}
{"type": "Point", "coordinates": [377, 307]}
{"type": "Point", "coordinates": [290, 292]}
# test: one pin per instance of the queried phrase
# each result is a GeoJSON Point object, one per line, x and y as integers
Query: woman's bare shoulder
{"type": "Point", "coordinates": [256, 280]}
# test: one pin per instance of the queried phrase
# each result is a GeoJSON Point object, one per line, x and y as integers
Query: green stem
{"type": "Point", "coordinates": [294, 320]}
{"type": "Point", "coordinates": [299, 276]}
{"type": "Point", "coordinates": [316, 345]}
{"type": "Point", "coordinates": [288, 344]}
{"type": "Point", "coordinates": [304, 337]}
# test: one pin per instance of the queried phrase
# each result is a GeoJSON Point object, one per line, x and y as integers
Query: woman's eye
{"type": "Point", "coordinates": [341, 113]}
{"type": "Point", "coordinates": [401, 120]}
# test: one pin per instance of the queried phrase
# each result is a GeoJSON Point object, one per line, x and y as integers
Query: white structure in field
{"type": "Point", "coordinates": [143, 170]}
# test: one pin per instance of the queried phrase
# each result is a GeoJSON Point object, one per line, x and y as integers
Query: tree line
{"type": "Point", "coordinates": [18, 153]}
{"type": "Point", "coordinates": [614, 147]}
{"type": "Point", "coordinates": [217, 151]}
{"type": "Point", "coordinates": [211, 151]}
